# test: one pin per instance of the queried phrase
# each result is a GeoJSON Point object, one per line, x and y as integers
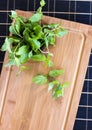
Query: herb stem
{"type": "Point", "coordinates": [56, 28]}
{"type": "Point", "coordinates": [44, 52]}
{"type": "Point", "coordinates": [17, 46]}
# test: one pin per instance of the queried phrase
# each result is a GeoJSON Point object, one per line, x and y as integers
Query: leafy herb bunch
{"type": "Point", "coordinates": [27, 42]}
{"type": "Point", "coordinates": [29, 37]}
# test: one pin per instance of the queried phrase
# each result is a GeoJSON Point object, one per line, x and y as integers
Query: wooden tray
{"type": "Point", "coordinates": [26, 106]}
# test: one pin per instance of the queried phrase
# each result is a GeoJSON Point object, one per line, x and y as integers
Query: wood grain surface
{"type": "Point", "coordinates": [26, 106]}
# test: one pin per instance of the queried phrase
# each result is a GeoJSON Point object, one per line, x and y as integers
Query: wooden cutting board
{"type": "Point", "coordinates": [26, 106]}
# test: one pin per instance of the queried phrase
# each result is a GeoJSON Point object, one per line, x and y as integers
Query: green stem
{"type": "Point", "coordinates": [17, 46]}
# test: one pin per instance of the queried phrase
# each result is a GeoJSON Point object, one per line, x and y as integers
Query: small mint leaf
{"type": "Point", "coordinates": [13, 14]}
{"type": "Point", "coordinates": [52, 84]}
{"type": "Point", "coordinates": [36, 17]}
{"type": "Point", "coordinates": [40, 79]}
{"type": "Point", "coordinates": [42, 3]}
{"type": "Point", "coordinates": [55, 73]}
{"type": "Point", "coordinates": [39, 57]}
{"type": "Point", "coordinates": [6, 45]}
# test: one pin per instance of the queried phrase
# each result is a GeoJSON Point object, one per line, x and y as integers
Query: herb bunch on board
{"type": "Point", "coordinates": [29, 37]}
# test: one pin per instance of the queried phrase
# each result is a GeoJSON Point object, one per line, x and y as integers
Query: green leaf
{"type": "Point", "coordinates": [17, 61]}
{"type": "Point", "coordinates": [49, 32]}
{"type": "Point", "coordinates": [36, 17]}
{"type": "Point", "coordinates": [6, 45]}
{"type": "Point", "coordinates": [55, 73]}
{"type": "Point", "coordinates": [52, 84]}
{"type": "Point", "coordinates": [52, 40]}
{"type": "Point", "coordinates": [30, 54]}
{"type": "Point", "coordinates": [42, 3]}
{"type": "Point", "coordinates": [11, 55]}
{"type": "Point", "coordinates": [61, 32]}
{"type": "Point", "coordinates": [23, 49]}
{"type": "Point", "coordinates": [12, 29]}
{"type": "Point", "coordinates": [35, 44]}
{"type": "Point", "coordinates": [49, 63]}
{"type": "Point", "coordinates": [38, 31]}
{"type": "Point", "coordinates": [14, 39]}
{"type": "Point", "coordinates": [40, 79]}
{"type": "Point", "coordinates": [17, 25]}
{"type": "Point", "coordinates": [58, 91]}
{"type": "Point", "coordinates": [13, 14]}
{"type": "Point", "coordinates": [13, 60]}
{"type": "Point", "coordinates": [39, 57]}
{"type": "Point", "coordinates": [23, 20]}
{"type": "Point", "coordinates": [23, 58]}
{"type": "Point", "coordinates": [39, 10]}
{"type": "Point", "coordinates": [53, 26]}
{"type": "Point", "coordinates": [26, 36]}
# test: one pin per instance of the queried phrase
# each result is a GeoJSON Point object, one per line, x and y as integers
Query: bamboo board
{"type": "Point", "coordinates": [26, 106]}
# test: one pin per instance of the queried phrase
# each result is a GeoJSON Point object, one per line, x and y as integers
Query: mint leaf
{"type": "Point", "coordinates": [60, 32]}
{"type": "Point", "coordinates": [26, 36]}
{"type": "Point", "coordinates": [52, 84]}
{"type": "Point", "coordinates": [23, 58]}
{"type": "Point", "coordinates": [40, 79]}
{"type": "Point", "coordinates": [6, 45]}
{"type": "Point", "coordinates": [23, 49]}
{"type": "Point", "coordinates": [42, 3]}
{"type": "Point", "coordinates": [14, 61]}
{"type": "Point", "coordinates": [58, 91]}
{"type": "Point", "coordinates": [12, 29]}
{"type": "Point", "coordinates": [17, 61]}
{"type": "Point", "coordinates": [13, 14]}
{"type": "Point", "coordinates": [36, 17]}
{"type": "Point", "coordinates": [18, 25]}
{"type": "Point", "coordinates": [30, 54]}
{"type": "Point", "coordinates": [49, 63]}
{"type": "Point", "coordinates": [14, 39]}
{"type": "Point", "coordinates": [37, 31]}
{"type": "Point", "coordinates": [35, 44]}
{"type": "Point", "coordinates": [39, 57]}
{"type": "Point", "coordinates": [55, 73]}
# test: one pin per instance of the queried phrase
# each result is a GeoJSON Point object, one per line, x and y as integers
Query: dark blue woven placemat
{"type": "Point", "coordinates": [79, 11]}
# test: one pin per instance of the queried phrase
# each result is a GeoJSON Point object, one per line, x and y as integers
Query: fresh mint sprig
{"type": "Point", "coordinates": [29, 37]}
{"type": "Point", "coordinates": [53, 84]}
